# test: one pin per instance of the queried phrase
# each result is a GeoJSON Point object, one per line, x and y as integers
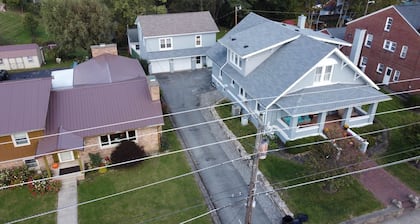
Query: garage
{"type": "Point", "coordinates": [181, 64]}
{"type": "Point", "coordinates": [159, 66]}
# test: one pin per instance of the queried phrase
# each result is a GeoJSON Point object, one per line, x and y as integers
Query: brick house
{"type": "Point", "coordinates": [110, 100]}
{"type": "Point", "coordinates": [386, 45]}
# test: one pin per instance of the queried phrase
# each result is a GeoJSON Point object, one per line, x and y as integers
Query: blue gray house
{"type": "Point", "coordinates": [292, 78]}
{"type": "Point", "coordinates": [173, 42]}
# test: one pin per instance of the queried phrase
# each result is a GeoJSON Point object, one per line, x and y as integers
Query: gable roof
{"type": "Point", "coordinates": [176, 23]}
{"type": "Point", "coordinates": [18, 50]}
{"type": "Point", "coordinates": [24, 105]}
{"type": "Point", "coordinates": [107, 68]}
{"type": "Point", "coordinates": [338, 32]}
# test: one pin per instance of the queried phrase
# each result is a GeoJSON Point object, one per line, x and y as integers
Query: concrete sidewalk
{"type": "Point", "coordinates": [67, 201]}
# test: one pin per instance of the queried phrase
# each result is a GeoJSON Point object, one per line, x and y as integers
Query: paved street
{"type": "Point", "coordinates": [226, 184]}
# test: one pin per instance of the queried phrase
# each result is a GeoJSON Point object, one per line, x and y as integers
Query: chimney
{"type": "Point", "coordinates": [356, 48]}
{"type": "Point", "coordinates": [103, 49]}
{"type": "Point", "coordinates": [153, 87]}
{"type": "Point", "coordinates": [301, 21]}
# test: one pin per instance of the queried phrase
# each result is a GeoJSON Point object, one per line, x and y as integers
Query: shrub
{"type": "Point", "coordinates": [43, 186]}
{"type": "Point", "coordinates": [95, 159]}
{"type": "Point", "coordinates": [15, 175]}
{"type": "Point", "coordinates": [127, 151]}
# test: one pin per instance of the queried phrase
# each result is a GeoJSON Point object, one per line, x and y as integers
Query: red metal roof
{"type": "Point", "coordinates": [24, 105]}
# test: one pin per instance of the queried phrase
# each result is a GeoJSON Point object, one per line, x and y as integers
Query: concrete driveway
{"type": "Point", "coordinates": [226, 185]}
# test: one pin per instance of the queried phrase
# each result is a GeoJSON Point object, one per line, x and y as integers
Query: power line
{"type": "Point", "coordinates": [180, 176]}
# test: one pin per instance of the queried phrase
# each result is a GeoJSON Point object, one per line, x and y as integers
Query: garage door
{"type": "Point", "coordinates": [159, 66]}
{"type": "Point", "coordinates": [182, 64]}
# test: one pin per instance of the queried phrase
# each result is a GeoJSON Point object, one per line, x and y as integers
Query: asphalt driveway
{"type": "Point", "coordinates": [227, 184]}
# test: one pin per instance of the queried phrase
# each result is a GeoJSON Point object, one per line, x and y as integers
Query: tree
{"type": "Point", "coordinates": [31, 24]}
{"type": "Point", "coordinates": [127, 151]}
{"type": "Point", "coordinates": [76, 24]}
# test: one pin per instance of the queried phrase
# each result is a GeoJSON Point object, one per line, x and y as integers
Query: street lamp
{"type": "Point", "coordinates": [367, 5]}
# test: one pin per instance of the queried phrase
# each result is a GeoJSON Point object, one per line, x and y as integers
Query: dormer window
{"type": "Point", "coordinates": [388, 24]}
{"type": "Point", "coordinates": [235, 59]}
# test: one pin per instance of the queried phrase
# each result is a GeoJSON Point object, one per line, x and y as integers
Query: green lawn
{"type": "Point", "coordinates": [171, 202]}
{"type": "Point", "coordinates": [222, 32]}
{"type": "Point", "coordinates": [18, 203]}
{"type": "Point", "coordinates": [350, 201]}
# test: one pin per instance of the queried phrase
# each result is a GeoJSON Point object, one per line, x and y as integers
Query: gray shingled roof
{"type": "Point", "coordinates": [24, 105]}
{"type": "Point", "coordinates": [107, 68]}
{"type": "Point", "coordinates": [133, 35]}
{"type": "Point", "coordinates": [338, 32]}
{"type": "Point", "coordinates": [329, 98]}
{"type": "Point", "coordinates": [411, 13]}
{"type": "Point", "coordinates": [188, 52]}
{"type": "Point", "coordinates": [18, 50]}
{"type": "Point", "coordinates": [177, 23]}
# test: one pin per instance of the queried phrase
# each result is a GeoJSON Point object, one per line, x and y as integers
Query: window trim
{"type": "Point", "coordinates": [32, 165]}
{"type": "Point", "coordinates": [369, 40]}
{"type": "Point", "coordinates": [404, 50]}
{"type": "Point", "coordinates": [397, 74]}
{"type": "Point", "coordinates": [363, 61]}
{"type": "Point", "coordinates": [198, 39]}
{"type": "Point", "coordinates": [322, 76]}
{"type": "Point", "coordinates": [380, 65]}
{"type": "Point", "coordinates": [390, 45]}
{"type": "Point", "coordinates": [232, 82]}
{"type": "Point", "coordinates": [235, 59]}
{"type": "Point", "coordinates": [242, 92]}
{"type": "Point", "coordinates": [1, 61]}
{"type": "Point", "coordinates": [198, 60]}
{"type": "Point", "coordinates": [16, 144]}
{"type": "Point", "coordinates": [111, 143]}
{"type": "Point", "coordinates": [388, 24]}
{"type": "Point", "coordinates": [166, 43]}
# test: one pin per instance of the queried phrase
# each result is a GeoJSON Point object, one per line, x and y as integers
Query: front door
{"type": "Point", "coordinates": [387, 76]}
{"type": "Point", "coordinates": [66, 156]}
{"type": "Point", "coordinates": [198, 62]}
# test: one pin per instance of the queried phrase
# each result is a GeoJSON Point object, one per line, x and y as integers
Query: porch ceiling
{"type": "Point", "coordinates": [328, 98]}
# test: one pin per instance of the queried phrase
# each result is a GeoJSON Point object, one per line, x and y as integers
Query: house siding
{"type": "Point", "coordinates": [401, 33]}
{"type": "Point", "coordinates": [10, 152]}
{"type": "Point", "coordinates": [181, 42]}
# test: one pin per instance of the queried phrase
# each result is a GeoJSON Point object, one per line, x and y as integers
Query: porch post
{"type": "Point", "coordinates": [372, 111]}
{"type": "Point", "coordinates": [293, 127]}
{"type": "Point", "coordinates": [346, 116]}
{"type": "Point", "coordinates": [322, 117]}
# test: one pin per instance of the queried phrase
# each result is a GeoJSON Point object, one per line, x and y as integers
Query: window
{"type": "Point", "coordinates": [323, 74]}
{"type": "Point", "coordinates": [390, 45]}
{"type": "Point", "coordinates": [380, 68]}
{"type": "Point", "coordinates": [235, 59]}
{"type": "Point", "coordinates": [116, 138]}
{"type": "Point", "coordinates": [369, 39]}
{"type": "Point", "coordinates": [232, 83]}
{"type": "Point", "coordinates": [20, 139]}
{"type": "Point", "coordinates": [198, 60]}
{"type": "Point", "coordinates": [165, 43]}
{"type": "Point", "coordinates": [396, 76]}
{"type": "Point", "coordinates": [241, 92]}
{"type": "Point", "coordinates": [30, 59]}
{"type": "Point", "coordinates": [404, 50]}
{"type": "Point", "coordinates": [137, 46]}
{"type": "Point", "coordinates": [198, 41]}
{"type": "Point", "coordinates": [31, 163]}
{"type": "Point", "coordinates": [363, 61]}
{"type": "Point", "coordinates": [1, 61]}
{"type": "Point", "coordinates": [388, 24]}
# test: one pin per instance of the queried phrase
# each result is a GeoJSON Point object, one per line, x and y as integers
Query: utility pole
{"type": "Point", "coordinates": [367, 6]}
{"type": "Point", "coordinates": [237, 8]}
{"type": "Point", "coordinates": [260, 146]}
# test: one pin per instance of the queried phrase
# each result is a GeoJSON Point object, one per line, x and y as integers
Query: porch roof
{"type": "Point", "coordinates": [328, 98]}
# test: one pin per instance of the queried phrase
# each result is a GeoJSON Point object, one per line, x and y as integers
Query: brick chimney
{"type": "Point", "coordinates": [153, 87]}
{"type": "Point", "coordinates": [103, 49]}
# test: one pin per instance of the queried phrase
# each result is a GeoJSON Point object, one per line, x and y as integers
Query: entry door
{"type": "Point", "coordinates": [66, 156]}
{"type": "Point", "coordinates": [198, 62]}
{"type": "Point", "coordinates": [387, 76]}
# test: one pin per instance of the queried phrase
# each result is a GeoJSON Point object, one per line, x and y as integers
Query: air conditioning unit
{"type": "Point", "coordinates": [236, 110]}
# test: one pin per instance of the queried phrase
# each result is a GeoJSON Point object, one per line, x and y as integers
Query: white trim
{"type": "Point", "coordinates": [62, 161]}
{"type": "Point", "coordinates": [200, 37]}
{"type": "Point", "coordinates": [344, 43]}
{"type": "Point", "coordinates": [111, 144]}
{"type": "Point", "coordinates": [19, 145]}
{"type": "Point", "coordinates": [404, 51]}
{"type": "Point", "coordinates": [179, 34]}
{"type": "Point", "coordinates": [166, 48]}
{"type": "Point", "coordinates": [389, 21]}
{"type": "Point", "coordinates": [368, 39]}
{"type": "Point", "coordinates": [379, 66]}
{"type": "Point", "coordinates": [269, 47]}
{"type": "Point", "coordinates": [397, 74]}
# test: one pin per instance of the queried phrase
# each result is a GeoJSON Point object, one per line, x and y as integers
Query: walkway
{"type": "Point", "coordinates": [67, 200]}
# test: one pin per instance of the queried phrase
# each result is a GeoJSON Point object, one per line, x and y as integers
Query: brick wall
{"type": "Point", "coordinates": [104, 49]}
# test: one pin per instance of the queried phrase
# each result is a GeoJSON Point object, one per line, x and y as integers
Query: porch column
{"type": "Point", "coordinates": [372, 111]}
{"type": "Point", "coordinates": [322, 117]}
{"type": "Point", "coordinates": [293, 127]}
{"type": "Point", "coordinates": [346, 116]}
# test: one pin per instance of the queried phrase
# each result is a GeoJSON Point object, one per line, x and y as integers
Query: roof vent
{"type": "Point", "coordinates": [284, 24]}
{"type": "Point", "coordinates": [233, 38]}
{"type": "Point", "coordinates": [297, 30]}
{"type": "Point", "coordinates": [102, 45]}
{"type": "Point", "coordinates": [245, 46]}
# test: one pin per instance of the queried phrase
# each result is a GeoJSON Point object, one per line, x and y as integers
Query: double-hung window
{"type": "Point", "coordinates": [363, 61]}
{"type": "Point", "coordinates": [323, 74]}
{"type": "Point", "coordinates": [198, 40]}
{"type": "Point", "coordinates": [235, 59]}
{"type": "Point", "coordinates": [368, 41]}
{"type": "Point", "coordinates": [380, 68]}
{"type": "Point", "coordinates": [116, 138]}
{"type": "Point", "coordinates": [390, 45]}
{"type": "Point", "coordinates": [165, 43]}
{"type": "Point", "coordinates": [388, 24]}
{"type": "Point", "coordinates": [20, 139]}
{"type": "Point", "coordinates": [404, 50]}
{"type": "Point", "coordinates": [396, 76]}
